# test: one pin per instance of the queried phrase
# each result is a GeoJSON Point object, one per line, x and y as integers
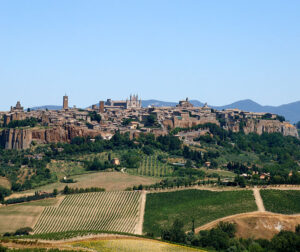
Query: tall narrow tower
{"type": "Point", "coordinates": [65, 102]}
{"type": "Point", "coordinates": [101, 106]}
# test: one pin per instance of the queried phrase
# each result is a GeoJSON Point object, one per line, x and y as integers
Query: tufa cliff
{"type": "Point", "coordinates": [266, 126]}
{"type": "Point", "coordinates": [18, 139]}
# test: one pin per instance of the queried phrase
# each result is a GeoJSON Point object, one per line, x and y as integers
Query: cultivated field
{"type": "Point", "coordinates": [202, 206]}
{"type": "Point", "coordinates": [221, 173]}
{"type": "Point", "coordinates": [281, 201]}
{"type": "Point", "coordinates": [151, 166]}
{"type": "Point", "coordinates": [111, 181]}
{"type": "Point", "coordinates": [102, 243]}
{"type": "Point", "coordinates": [109, 211]}
{"type": "Point", "coordinates": [132, 245]}
{"type": "Point", "coordinates": [4, 182]}
{"type": "Point", "coordinates": [17, 216]}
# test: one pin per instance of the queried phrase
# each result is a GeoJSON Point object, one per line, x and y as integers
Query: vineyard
{"type": "Point", "coordinates": [110, 211]}
{"type": "Point", "coordinates": [285, 202]}
{"type": "Point", "coordinates": [188, 205]}
{"type": "Point", "coordinates": [151, 166]}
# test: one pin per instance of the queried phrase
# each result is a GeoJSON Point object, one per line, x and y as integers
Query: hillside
{"type": "Point", "coordinates": [49, 107]}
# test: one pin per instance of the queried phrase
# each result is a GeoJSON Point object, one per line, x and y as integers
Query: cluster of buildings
{"type": "Point", "coordinates": [129, 116]}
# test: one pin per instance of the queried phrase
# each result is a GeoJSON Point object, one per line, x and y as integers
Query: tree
{"type": "Point", "coordinates": [193, 226]}
{"type": "Point", "coordinates": [131, 159]}
{"type": "Point", "coordinates": [148, 150]}
{"type": "Point", "coordinates": [150, 120]}
{"type": "Point", "coordinates": [126, 121]}
{"type": "Point", "coordinates": [24, 231]}
{"type": "Point", "coordinates": [240, 181]}
{"type": "Point", "coordinates": [55, 192]}
{"type": "Point", "coordinates": [66, 190]}
{"type": "Point", "coordinates": [188, 164]}
{"type": "Point", "coordinates": [177, 233]}
{"type": "Point", "coordinates": [298, 125]}
{"type": "Point", "coordinates": [227, 227]}
{"type": "Point", "coordinates": [297, 229]}
{"type": "Point", "coordinates": [280, 118]}
{"type": "Point", "coordinates": [286, 241]}
{"type": "Point", "coordinates": [94, 116]}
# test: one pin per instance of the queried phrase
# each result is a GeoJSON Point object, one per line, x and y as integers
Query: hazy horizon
{"type": "Point", "coordinates": [212, 51]}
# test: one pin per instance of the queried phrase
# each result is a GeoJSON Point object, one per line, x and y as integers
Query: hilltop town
{"type": "Point", "coordinates": [127, 116]}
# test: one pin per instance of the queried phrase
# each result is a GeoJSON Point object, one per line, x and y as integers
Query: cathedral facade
{"type": "Point", "coordinates": [132, 102]}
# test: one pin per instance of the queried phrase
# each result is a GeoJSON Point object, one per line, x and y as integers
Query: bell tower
{"type": "Point", "coordinates": [65, 102]}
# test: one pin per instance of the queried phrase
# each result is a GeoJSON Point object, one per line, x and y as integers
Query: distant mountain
{"type": "Point", "coordinates": [157, 103]}
{"type": "Point", "coordinates": [246, 105]}
{"type": "Point", "coordinates": [290, 111]}
{"type": "Point", "coordinates": [49, 107]}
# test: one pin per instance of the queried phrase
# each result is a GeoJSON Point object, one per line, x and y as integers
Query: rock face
{"type": "Point", "coordinates": [22, 138]}
{"type": "Point", "coordinates": [270, 126]}
{"type": "Point", "coordinates": [18, 139]}
{"type": "Point", "coordinates": [15, 139]}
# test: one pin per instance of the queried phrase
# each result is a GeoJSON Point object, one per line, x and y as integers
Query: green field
{"type": "Point", "coordinates": [151, 166]}
{"type": "Point", "coordinates": [64, 168]}
{"type": "Point", "coordinates": [202, 206]}
{"type": "Point", "coordinates": [285, 202]}
{"type": "Point", "coordinates": [110, 211]}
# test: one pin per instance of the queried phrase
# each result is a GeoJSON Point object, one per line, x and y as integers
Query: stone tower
{"type": "Point", "coordinates": [101, 106]}
{"type": "Point", "coordinates": [65, 102]}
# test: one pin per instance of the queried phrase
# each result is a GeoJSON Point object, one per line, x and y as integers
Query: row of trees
{"type": "Point", "coordinates": [36, 196]}
{"type": "Point", "coordinates": [67, 190]}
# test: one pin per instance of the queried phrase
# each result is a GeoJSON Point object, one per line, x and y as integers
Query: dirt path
{"type": "Point", "coordinates": [213, 223]}
{"type": "Point", "coordinates": [257, 224]}
{"type": "Point", "coordinates": [258, 200]}
{"type": "Point", "coordinates": [139, 225]}
{"type": "Point", "coordinates": [235, 216]}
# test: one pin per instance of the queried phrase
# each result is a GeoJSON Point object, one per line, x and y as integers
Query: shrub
{"type": "Point", "coordinates": [24, 231]}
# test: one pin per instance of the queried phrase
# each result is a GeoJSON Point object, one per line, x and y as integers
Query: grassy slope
{"type": "Point", "coordinates": [111, 181]}
{"type": "Point", "coordinates": [285, 202]}
{"type": "Point", "coordinates": [221, 173]}
{"type": "Point", "coordinates": [203, 206]}
{"type": "Point", "coordinates": [132, 245]}
{"type": "Point", "coordinates": [16, 216]}
{"type": "Point", "coordinates": [4, 182]}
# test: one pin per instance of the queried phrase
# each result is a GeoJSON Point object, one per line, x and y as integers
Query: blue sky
{"type": "Point", "coordinates": [214, 51]}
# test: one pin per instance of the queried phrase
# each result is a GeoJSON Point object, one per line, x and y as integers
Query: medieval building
{"type": "Point", "coordinates": [65, 102]}
{"type": "Point", "coordinates": [133, 102]}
